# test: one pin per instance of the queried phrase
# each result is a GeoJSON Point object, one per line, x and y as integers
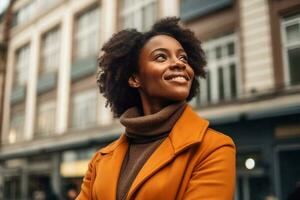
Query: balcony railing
{"type": "Point", "coordinates": [83, 67]}
{"type": "Point", "coordinates": [190, 9]}
{"type": "Point", "coordinates": [46, 82]}
{"type": "Point", "coordinates": [17, 94]}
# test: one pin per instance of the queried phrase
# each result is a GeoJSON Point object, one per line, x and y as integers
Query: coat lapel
{"type": "Point", "coordinates": [157, 160]}
{"type": "Point", "coordinates": [113, 157]}
{"type": "Point", "coordinates": [188, 130]}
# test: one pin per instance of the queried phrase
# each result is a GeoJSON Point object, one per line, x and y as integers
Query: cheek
{"type": "Point", "coordinates": [151, 75]}
{"type": "Point", "coordinates": [191, 72]}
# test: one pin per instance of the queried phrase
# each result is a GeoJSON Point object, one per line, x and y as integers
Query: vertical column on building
{"type": "Point", "coordinates": [1, 181]}
{"type": "Point", "coordinates": [7, 92]}
{"type": "Point", "coordinates": [24, 180]}
{"type": "Point", "coordinates": [30, 104]}
{"type": "Point", "coordinates": [169, 8]}
{"type": "Point", "coordinates": [109, 21]}
{"type": "Point", "coordinates": [63, 90]}
{"type": "Point", "coordinates": [55, 176]}
{"type": "Point", "coordinates": [256, 46]}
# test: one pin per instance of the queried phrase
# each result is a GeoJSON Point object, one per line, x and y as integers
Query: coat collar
{"type": "Point", "coordinates": [187, 131]}
{"type": "Point", "coordinates": [189, 122]}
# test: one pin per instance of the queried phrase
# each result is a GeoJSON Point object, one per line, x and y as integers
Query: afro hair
{"type": "Point", "coordinates": [119, 60]}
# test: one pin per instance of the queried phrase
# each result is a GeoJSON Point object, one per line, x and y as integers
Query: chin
{"type": "Point", "coordinates": [179, 96]}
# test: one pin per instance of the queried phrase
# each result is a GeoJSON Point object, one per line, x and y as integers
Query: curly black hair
{"type": "Point", "coordinates": [120, 60]}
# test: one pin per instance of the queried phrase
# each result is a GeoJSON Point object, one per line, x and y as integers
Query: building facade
{"type": "Point", "coordinates": [54, 118]}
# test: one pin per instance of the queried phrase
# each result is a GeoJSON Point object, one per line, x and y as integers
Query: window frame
{"type": "Point", "coordinates": [213, 67]}
{"type": "Point", "coordinates": [77, 36]}
{"type": "Point", "coordinates": [137, 8]}
{"type": "Point", "coordinates": [285, 22]}
{"type": "Point", "coordinates": [45, 107]}
{"type": "Point", "coordinates": [25, 70]}
{"type": "Point", "coordinates": [19, 136]}
{"type": "Point", "coordinates": [83, 96]}
{"type": "Point", "coordinates": [43, 69]}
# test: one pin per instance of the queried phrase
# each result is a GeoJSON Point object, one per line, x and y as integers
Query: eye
{"type": "Point", "coordinates": [183, 58]}
{"type": "Point", "coordinates": [160, 58]}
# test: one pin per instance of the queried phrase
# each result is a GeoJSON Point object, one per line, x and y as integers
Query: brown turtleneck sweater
{"type": "Point", "coordinates": [145, 134]}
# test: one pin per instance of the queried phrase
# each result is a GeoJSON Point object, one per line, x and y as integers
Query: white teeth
{"type": "Point", "coordinates": [178, 78]}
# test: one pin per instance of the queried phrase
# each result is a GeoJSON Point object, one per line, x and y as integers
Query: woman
{"type": "Point", "coordinates": [167, 151]}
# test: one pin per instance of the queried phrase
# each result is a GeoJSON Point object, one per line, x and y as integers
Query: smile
{"type": "Point", "coordinates": [177, 77]}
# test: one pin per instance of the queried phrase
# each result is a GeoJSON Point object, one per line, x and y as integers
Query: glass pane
{"type": "Point", "coordinates": [16, 127]}
{"type": "Point", "coordinates": [293, 33]}
{"type": "Point", "coordinates": [232, 80]}
{"type": "Point", "coordinates": [22, 65]}
{"type": "Point", "coordinates": [84, 109]}
{"type": "Point", "coordinates": [46, 118]}
{"type": "Point", "coordinates": [208, 87]}
{"type": "Point", "coordinates": [230, 48]}
{"type": "Point", "coordinates": [87, 29]}
{"type": "Point", "coordinates": [259, 187]}
{"type": "Point", "coordinates": [220, 83]}
{"type": "Point", "coordinates": [294, 65]}
{"type": "Point", "coordinates": [50, 59]}
{"type": "Point", "coordinates": [289, 172]}
{"type": "Point", "coordinates": [148, 16]}
{"type": "Point", "coordinates": [12, 187]}
{"type": "Point", "coordinates": [218, 52]}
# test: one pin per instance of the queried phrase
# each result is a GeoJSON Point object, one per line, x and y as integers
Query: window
{"type": "Point", "coordinates": [45, 4]}
{"type": "Point", "coordinates": [291, 49]}
{"type": "Point", "coordinates": [222, 77]}
{"type": "Point", "coordinates": [50, 51]}
{"type": "Point", "coordinates": [16, 127]}
{"type": "Point", "coordinates": [12, 187]}
{"type": "Point", "coordinates": [25, 13]}
{"type": "Point", "coordinates": [139, 14]}
{"type": "Point", "coordinates": [84, 109]}
{"type": "Point", "coordinates": [22, 66]}
{"type": "Point", "coordinates": [32, 9]}
{"type": "Point", "coordinates": [191, 9]}
{"type": "Point", "coordinates": [80, 154]}
{"type": "Point", "coordinates": [87, 38]}
{"type": "Point", "coordinates": [45, 119]}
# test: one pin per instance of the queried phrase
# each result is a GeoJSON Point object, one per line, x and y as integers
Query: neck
{"type": "Point", "coordinates": [152, 106]}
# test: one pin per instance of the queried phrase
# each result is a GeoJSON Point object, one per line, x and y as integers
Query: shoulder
{"type": "Point", "coordinates": [106, 149]}
{"type": "Point", "coordinates": [215, 141]}
{"type": "Point", "coordinates": [113, 145]}
{"type": "Point", "coordinates": [217, 138]}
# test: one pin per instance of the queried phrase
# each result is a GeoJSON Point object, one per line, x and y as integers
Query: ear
{"type": "Point", "coordinates": [134, 81]}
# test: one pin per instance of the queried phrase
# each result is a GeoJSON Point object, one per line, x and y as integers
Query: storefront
{"type": "Point", "coordinates": [268, 149]}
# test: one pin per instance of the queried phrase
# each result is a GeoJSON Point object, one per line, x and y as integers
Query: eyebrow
{"type": "Point", "coordinates": [166, 50]}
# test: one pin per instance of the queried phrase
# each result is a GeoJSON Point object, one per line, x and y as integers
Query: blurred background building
{"type": "Point", "coordinates": [53, 118]}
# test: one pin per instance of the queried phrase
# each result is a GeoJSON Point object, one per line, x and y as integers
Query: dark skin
{"type": "Point", "coordinates": [164, 75]}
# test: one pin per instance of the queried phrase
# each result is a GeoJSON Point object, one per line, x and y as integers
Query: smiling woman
{"type": "Point", "coordinates": [164, 74]}
{"type": "Point", "coordinates": [167, 151]}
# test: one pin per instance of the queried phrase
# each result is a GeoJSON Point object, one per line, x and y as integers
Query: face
{"type": "Point", "coordinates": [164, 73]}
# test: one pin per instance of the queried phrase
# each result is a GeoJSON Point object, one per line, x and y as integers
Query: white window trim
{"type": "Point", "coordinates": [213, 71]}
{"type": "Point", "coordinates": [84, 33]}
{"type": "Point", "coordinates": [42, 108]}
{"type": "Point", "coordinates": [133, 9]}
{"type": "Point", "coordinates": [77, 99]}
{"type": "Point", "coordinates": [285, 47]}
{"type": "Point", "coordinates": [22, 67]}
{"type": "Point", "coordinates": [18, 133]}
{"type": "Point", "coordinates": [50, 51]}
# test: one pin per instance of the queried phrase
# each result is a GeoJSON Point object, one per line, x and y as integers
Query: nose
{"type": "Point", "coordinates": [177, 64]}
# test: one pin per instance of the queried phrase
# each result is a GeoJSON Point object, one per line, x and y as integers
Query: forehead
{"type": "Point", "coordinates": [161, 41]}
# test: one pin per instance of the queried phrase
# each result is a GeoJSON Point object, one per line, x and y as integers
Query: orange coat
{"type": "Point", "coordinates": [193, 163]}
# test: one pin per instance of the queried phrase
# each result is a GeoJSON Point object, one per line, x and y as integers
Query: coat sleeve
{"type": "Point", "coordinates": [88, 180]}
{"type": "Point", "coordinates": [213, 177]}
